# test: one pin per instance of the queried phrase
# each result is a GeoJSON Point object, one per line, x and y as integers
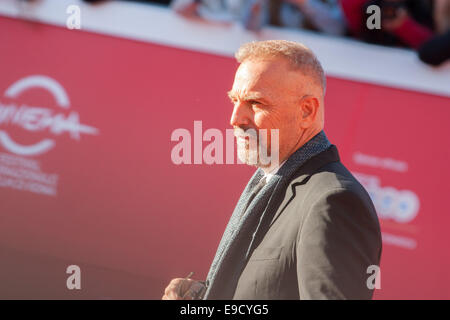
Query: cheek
{"type": "Point", "coordinates": [268, 119]}
{"type": "Point", "coordinates": [286, 122]}
{"type": "Point", "coordinates": [261, 119]}
{"type": "Point", "coordinates": [288, 129]}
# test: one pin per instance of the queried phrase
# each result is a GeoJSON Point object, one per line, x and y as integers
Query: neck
{"type": "Point", "coordinates": [304, 137]}
{"type": "Point", "coordinates": [272, 167]}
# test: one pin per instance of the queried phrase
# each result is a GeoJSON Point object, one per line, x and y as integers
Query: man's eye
{"type": "Point", "coordinates": [253, 102]}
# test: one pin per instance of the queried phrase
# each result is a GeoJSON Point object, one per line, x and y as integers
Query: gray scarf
{"type": "Point", "coordinates": [245, 229]}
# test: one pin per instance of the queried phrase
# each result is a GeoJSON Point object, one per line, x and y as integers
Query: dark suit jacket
{"type": "Point", "coordinates": [321, 240]}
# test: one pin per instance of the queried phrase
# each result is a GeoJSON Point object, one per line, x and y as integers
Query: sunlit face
{"type": "Point", "coordinates": [266, 94]}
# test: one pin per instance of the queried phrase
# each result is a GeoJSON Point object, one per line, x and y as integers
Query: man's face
{"type": "Point", "coordinates": [266, 95]}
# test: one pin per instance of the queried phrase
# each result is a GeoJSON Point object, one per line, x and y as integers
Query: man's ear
{"type": "Point", "coordinates": [309, 109]}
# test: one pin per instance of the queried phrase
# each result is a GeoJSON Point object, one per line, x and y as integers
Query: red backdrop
{"type": "Point", "coordinates": [132, 220]}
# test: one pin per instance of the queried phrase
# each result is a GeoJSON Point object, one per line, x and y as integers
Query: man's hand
{"type": "Point", "coordinates": [183, 289]}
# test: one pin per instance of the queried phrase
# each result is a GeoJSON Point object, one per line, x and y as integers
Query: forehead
{"type": "Point", "coordinates": [274, 76]}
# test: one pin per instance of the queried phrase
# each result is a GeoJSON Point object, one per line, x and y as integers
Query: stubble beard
{"type": "Point", "coordinates": [248, 150]}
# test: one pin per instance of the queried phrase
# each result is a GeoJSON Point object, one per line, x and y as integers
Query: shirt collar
{"type": "Point", "coordinates": [314, 146]}
{"type": "Point", "coordinates": [272, 172]}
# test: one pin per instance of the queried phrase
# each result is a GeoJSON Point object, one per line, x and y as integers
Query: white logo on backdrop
{"type": "Point", "coordinates": [36, 119]}
{"type": "Point", "coordinates": [401, 206]}
{"type": "Point", "coordinates": [17, 169]}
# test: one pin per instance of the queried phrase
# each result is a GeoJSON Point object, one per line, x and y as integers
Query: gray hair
{"type": "Point", "coordinates": [300, 57]}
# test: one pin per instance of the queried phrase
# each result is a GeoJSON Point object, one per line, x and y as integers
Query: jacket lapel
{"type": "Point", "coordinates": [240, 236]}
{"type": "Point", "coordinates": [303, 174]}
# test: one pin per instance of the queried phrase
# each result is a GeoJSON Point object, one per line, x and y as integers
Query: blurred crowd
{"type": "Point", "coordinates": [423, 25]}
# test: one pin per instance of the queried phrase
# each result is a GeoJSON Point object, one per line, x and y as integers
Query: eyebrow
{"type": "Point", "coordinates": [248, 97]}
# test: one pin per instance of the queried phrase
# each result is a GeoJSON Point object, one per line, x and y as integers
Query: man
{"type": "Point", "coordinates": [306, 229]}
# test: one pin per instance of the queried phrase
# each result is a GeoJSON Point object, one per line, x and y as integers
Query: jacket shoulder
{"type": "Point", "coordinates": [334, 176]}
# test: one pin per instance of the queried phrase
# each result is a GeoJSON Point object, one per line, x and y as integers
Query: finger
{"type": "Point", "coordinates": [172, 296]}
{"type": "Point", "coordinates": [193, 291]}
{"type": "Point", "coordinates": [173, 285]}
{"type": "Point", "coordinates": [172, 292]}
{"type": "Point", "coordinates": [169, 288]}
{"type": "Point", "coordinates": [178, 287]}
{"type": "Point", "coordinates": [183, 286]}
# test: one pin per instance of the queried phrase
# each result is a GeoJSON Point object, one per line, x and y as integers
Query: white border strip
{"type": "Point", "coordinates": [341, 57]}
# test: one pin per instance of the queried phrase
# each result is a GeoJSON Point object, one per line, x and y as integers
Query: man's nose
{"type": "Point", "coordinates": [241, 115]}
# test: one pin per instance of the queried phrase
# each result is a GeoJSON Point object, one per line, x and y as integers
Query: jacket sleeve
{"type": "Point", "coordinates": [339, 239]}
